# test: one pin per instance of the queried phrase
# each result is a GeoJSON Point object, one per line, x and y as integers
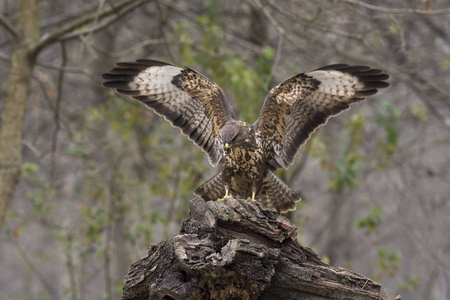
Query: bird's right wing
{"type": "Point", "coordinates": [184, 97]}
{"type": "Point", "coordinates": [295, 108]}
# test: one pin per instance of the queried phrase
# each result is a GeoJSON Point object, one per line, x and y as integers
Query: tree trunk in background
{"type": "Point", "coordinates": [17, 92]}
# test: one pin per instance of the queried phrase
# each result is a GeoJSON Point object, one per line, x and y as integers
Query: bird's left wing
{"type": "Point", "coordinates": [294, 109]}
{"type": "Point", "coordinates": [184, 97]}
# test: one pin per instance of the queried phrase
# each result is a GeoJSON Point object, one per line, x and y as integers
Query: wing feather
{"type": "Point", "coordinates": [294, 109]}
{"type": "Point", "coordinates": [184, 97]}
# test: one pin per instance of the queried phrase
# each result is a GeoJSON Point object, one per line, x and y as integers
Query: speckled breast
{"type": "Point", "coordinates": [245, 167]}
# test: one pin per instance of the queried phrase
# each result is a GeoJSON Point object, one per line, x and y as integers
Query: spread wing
{"type": "Point", "coordinates": [294, 109]}
{"type": "Point", "coordinates": [184, 97]}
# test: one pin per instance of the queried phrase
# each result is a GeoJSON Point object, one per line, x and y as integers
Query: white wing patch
{"type": "Point", "coordinates": [336, 83]}
{"type": "Point", "coordinates": [156, 84]}
{"type": "Point", "coordinates": [155, 80]}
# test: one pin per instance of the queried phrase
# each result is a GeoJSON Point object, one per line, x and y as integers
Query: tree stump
{"type": "Point", "coordinates": [237, 249]}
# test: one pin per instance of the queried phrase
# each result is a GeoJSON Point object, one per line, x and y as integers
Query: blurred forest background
{"type": "Point", "coordinates": [92, 180]}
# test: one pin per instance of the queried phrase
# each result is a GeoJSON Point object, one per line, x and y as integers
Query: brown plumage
{"type": "Point", "coordinates": [249, 154]}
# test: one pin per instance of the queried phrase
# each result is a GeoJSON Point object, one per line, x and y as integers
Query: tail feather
{"type": "Point", "coordinates": [212, 189]}
{"type": "Point", "coordinates": [275, 193]}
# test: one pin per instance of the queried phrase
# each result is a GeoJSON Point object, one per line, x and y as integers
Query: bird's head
{"type": "Point", "coordinates": [232, 134]}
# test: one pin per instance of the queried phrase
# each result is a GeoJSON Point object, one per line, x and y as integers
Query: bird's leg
{"type": "Point", "coordinates": [253, 193]}
{"type": "Point", "coordinates": [227, 196]}
{"type": "Point", "coordinates": [252, 198]}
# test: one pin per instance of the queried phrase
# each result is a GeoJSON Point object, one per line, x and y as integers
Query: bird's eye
{"type": "Point", "coordinates": [234, 139]}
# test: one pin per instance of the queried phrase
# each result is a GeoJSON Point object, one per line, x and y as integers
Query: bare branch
{"type": "Point", "coordinates": [398, 10]}
{"type": "Point", "coordinates": [59, 20]}
{"type": "Point", "coordinates": [133, 48]}
{"type": "Point", "coordinates": [418, 90]}
{"type": "Point", "coordinates": [274, 22]}
{"type": "Point", "coordinates": [276, 61]}
{"type": "Point", "coordinates": [9, 27]}
{"type": "Point", "coordinates": [70, 266]}
{"type": "Point", "coordinates": [56, 112]}
{"type": "Point", "coordinates": [415, 79]}
{"type": "Point", "coordinates": [5, 58]}
{"type": "Point", "coordinates": [100, 25]}
{"type": "Point", "coordinates": [82, 21]}
{"type": "Point", "coordinates": [34, 269]}
{"type": "Point", "coordinates": [262, 8]}
{"type": "Point", "coordinates": [69, 70]}
{"type": "Point", "coordinates": [317, 26]}
{"type": "Point", "coordinates": [32, 147]}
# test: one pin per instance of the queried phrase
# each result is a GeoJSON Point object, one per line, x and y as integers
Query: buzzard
{"type": "Point", "coordinates": [249, 153]}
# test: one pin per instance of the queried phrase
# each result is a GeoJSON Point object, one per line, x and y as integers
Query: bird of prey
{"type": "Point", "coordinates": [249, 153]}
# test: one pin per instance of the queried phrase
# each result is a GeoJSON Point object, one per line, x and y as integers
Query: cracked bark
{"type": "Point", "coordinates": [236, 249]}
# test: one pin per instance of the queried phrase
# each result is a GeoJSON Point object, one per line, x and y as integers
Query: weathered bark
{"type": "Point", "coordinates": [12, 127]}
{"type": "Point", "coordinates": [17, 91]}
{"type": "Point", "coordinates": [236, 249]}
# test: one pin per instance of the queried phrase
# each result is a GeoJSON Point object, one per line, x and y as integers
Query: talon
{"type": "Point", "coordinates": [226, 196]}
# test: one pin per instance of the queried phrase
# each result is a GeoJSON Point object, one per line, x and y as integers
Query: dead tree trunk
{"type": "Point", "coordinates": [236, 249]}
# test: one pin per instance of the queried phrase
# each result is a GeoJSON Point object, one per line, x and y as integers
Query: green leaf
{"type": "Point", "coordinates": [29, 168]}
{"type": "Point", "coordinates": [372, 221]}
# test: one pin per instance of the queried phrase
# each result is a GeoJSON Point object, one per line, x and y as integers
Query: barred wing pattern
{"type": "Point", "coordinates": [294, 109]}
{"type": "Point", "coordinates": [184, 97]}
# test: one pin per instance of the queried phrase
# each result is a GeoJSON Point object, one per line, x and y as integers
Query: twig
{"type": "Point", "coordinates": [131, 49]}
{"type": "Point", "coordinates": [100, 25]}
{"type": "Point", "coordinates": [52, 107]}
{"type": "Point", "coordinates": [57, 110]}
{"type": "Point", "coordinates": [172, 202]}
{"type": "Point", "coordinates": [276, 62]}
{"type": "Point", "coordinates": [9, 27]}
{"type": "Point", "coordinates": [71, 267]}
{"type": "Point", "coordinates": [162, 24]}
{"type": "Point", "coordinates": [417, 88]}
{"type": "Point", "coordinates": [415, 78]}
{"type": "Point", "coordinates": [259, 6]}
{"type": "Point", "coordinates": [398, 10]}
{"type": "Point", "coordinates": [58, 20]}
{"type": "Point", "coordinates": [300, 20]}
{"type": "Point", "coordinates": [68, 70]}
{"type": "Point", "coordinates": [33, 268]}
{"type": "Point", "coordinates": [84, 40]}
{"type": "Point", "coordinates": [113, 209]}
{"type": "Point", "coordinates": [271, 19]}
{"type": "Point", "coordinates": [82, 21]}
{"type": "Point", "coordinates": [5, 58]}
{"type": "Point", "coordinates": [32, 147]}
